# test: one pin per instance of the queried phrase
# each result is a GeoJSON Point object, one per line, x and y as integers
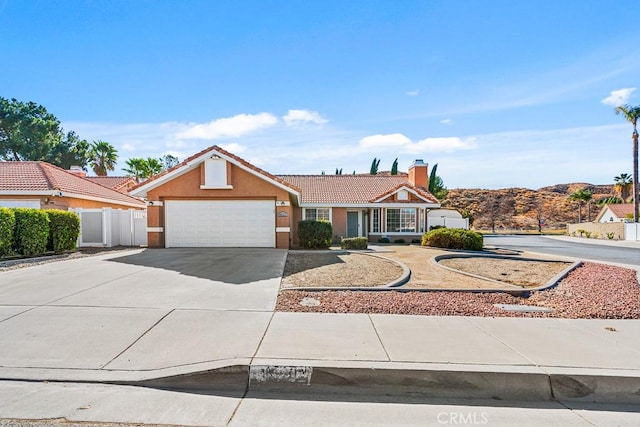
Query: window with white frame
{"type": "Point", "coordinates": [402, 220]}
{"type": "Point", "coordinates": [403, 195]}
{"type": "Point", "coordinates": [375, 221]}
{"type": "Point", "coordinates": [317, 214]}
{"type": "Point", "coordinates": [215, 173]}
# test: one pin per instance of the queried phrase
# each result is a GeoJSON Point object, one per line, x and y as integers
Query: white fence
{"type": "Point", "coordinates": [449, 222]}
{"type": "Point", "coordinates": [632, 231]}
{"type": "Point", "coordinates": [108, 227]}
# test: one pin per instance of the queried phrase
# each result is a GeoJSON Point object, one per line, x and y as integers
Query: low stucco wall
{"type": "Point", "coordinates": [598, 230]}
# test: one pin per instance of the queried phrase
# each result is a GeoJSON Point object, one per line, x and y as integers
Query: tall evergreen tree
{"type": "Point", "coordinates": [394, 167]}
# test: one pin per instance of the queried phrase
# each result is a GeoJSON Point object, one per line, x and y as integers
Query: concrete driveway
{"type": "Point", "coordinates": [145, 310]}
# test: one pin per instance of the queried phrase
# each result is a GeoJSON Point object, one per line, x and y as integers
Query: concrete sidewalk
{"type": "Point", "coordinates": [240, 351]}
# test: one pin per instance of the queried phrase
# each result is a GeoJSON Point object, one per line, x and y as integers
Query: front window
{"type": "Point", "coordinates": [401, 220]}
{"type": "Point", "coordinates": [375, 221]}
{"type": "Point", "coordinates": [317, 214]}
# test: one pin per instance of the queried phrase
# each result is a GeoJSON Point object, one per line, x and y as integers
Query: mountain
{"type": "Point", "coordinates": [522, 208]}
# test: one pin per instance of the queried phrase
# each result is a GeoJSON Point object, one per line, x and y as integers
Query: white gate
{"type": "Point", "coordinates": [108, 227]}
{"type": "Point", "coordinates": [632, 231]}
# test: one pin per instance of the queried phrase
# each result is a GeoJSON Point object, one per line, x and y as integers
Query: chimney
{"type": "Point", "coordinates": [77, 170]}
{"type": "Point", "coordinates": [418, 173]}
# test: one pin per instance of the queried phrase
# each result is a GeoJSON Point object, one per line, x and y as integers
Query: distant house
{"type": "Point", "coordinates": [43, 185]}
{"type": "Point", "coordinates": [118, 183]}
{"type": "Point", "coordinates": [615, 213]}
{"type": "Point", "coordinates": [217, 199]}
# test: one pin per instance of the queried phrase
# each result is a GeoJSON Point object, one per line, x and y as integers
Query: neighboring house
{"type": "Point", "coordinates": [118, 183]}
{"type": "Point", "coordinates": [615, 212]}
{"type": "Point", "coordinates": [216, 199]}
{"type": "Point", "coordinates": [43, 185]}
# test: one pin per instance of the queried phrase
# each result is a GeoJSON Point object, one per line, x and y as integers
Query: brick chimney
{"type": "Point", "coordinates": [418, 173]}
{"type": "Point", "coordinates": [77, 170]}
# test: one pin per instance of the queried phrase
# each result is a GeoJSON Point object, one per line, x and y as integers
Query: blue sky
{"type": "Point", "coordinates": [497, 93]}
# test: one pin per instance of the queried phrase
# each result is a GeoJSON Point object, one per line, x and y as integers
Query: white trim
{"type": "Point", "coordinates": [155, 203]}
{"type": "Point", "coordinates": [221, 187]}
{"type": "Point", "coordinates": [283, 229]}
{"type": "Point", "coordinates": [29, 193]}
{"type": "Point", "coordinates": [406, 189]}
{"type": "Point", "coordinates": [155, 229]}
{"type": "Point", "coordinates": [143, 189]}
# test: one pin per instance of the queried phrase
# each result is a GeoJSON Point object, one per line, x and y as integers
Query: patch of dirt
{"type": "Point", "coordinates": [516, 272]}
{"type": "Point", "coordinates": [338, 269]}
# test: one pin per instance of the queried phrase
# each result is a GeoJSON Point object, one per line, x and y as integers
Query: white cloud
{"type": "Point", "coordinates": [413, 92]}
{"type": "Point", "coordinates": [446, 121]}
{"type": "Point", "coordinates": [389, 140]}
{"type": "Point", "coordinates": [233, 147]}
{"type": "Point", "coordinates": [618, 97]}
{"type": "Point", "coordinates": [403, 144]}
{"type": "Point", "coordinates": [234, 127]}
{"type": "Point", "coordinates": [294, 117]}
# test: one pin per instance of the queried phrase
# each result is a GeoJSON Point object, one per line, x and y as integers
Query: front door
{"type": "Point", "coordinates": [352, 224]}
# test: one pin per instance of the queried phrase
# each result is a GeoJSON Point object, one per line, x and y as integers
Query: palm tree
{"type": "Point", "coordinates": [102, 157]}
{"type": "Point", "coordinates": [631, 114]}
{"type": "Point", "coordinates": [581, 196]}
{"type": "Point", "coordinates": [153, 167]}
{"type": "Point", "coordinates": [623, 184]}
{"type": "Point", "coordinates": [136, 168]}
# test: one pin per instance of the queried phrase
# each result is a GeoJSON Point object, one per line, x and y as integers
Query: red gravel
{"type": "Point", "coordinates": [592, 291]}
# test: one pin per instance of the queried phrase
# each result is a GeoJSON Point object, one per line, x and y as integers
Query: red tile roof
{"type": "Point", "coordinates": [357, 189]}
{"type": "Point", "coordinates": [118, 183]}
{"type": "Point", "coordinates": [24, 177]}
{"type": "Point", "coordinates": [621, 209]}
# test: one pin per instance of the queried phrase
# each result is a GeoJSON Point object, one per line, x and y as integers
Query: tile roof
{"type": "Point", "coordinates": [357, 189]}
{"type": "Point", "coordinates": [42, 176]}
{"type": "Point", "coordinates": [621, 209]}
{"type": "Point", "coordinates": [118, 183]}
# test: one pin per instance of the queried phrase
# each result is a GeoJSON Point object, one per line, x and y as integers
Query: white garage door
{"type": "Point", "coordinates": [228, 223]}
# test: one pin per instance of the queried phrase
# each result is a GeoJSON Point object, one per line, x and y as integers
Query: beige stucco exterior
{"type": "Point", "coordinates": [245, 186]}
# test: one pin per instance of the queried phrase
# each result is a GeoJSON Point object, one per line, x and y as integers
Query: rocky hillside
{"type": "Point", "coordinates": [522, 208]}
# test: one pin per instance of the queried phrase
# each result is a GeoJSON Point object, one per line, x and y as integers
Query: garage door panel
{"type": "Point", "coordinates": [217, 223]}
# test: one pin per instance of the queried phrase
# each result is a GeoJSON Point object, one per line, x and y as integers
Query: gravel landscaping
{"type": "Point", "coordinates": [591, 291]}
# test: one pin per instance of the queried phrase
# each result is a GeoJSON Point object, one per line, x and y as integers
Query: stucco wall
{"type": "Point", "coordinates": [599, 228]}
{"type": "Point", "coordinates": [246, 186]}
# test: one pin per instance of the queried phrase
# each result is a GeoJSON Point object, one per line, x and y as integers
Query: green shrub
{"type": "Point", "coordinates": [357, 243]}
{"type": "Point", "coordinates": [611, 235]}
{"type": "Point", "coordinates": [64, 229]}
{"type": "Point", "coordinates": [436, 227]}
{"type": "Point", "coordinates": [453, 238]}
{"type": "Point", "coordinates": [7, 225]}
{"type": "Point", "coordinates": [384, 240]}
{"type": "Point", "coordinates": [418, 241]}
{"type": "Point", "coordinates": [31, 232]}
{"type": "Point", "coordinates": [399, 241]}
{"type": "Point", "coordinates": [315, 234]}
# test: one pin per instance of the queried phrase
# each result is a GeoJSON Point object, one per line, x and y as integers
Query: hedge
{"type": "Point", "coordinates": [64, 229]}
{"type": "Point", "coordinates": [453, 238]}
{"type": "Point", "coordinates": [356, 243]}
{"type": "Point", "coordinates": [7, 225]}
{"type": "Point", "coordinates": [31, 231]}
{"type": "Point", "coordinates": [315, 234]}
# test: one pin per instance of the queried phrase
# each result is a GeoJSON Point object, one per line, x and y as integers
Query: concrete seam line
{"type": "Point", "coordinates": [139, 338]}
{"type": "Point", "coordinates": [503, 343]}
{"type": "Point", "coordinates": [379, 339]}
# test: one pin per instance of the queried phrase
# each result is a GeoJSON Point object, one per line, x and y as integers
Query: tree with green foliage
{"type": "Point", "coordinates": [631, 114]}
{"type": "Point", "coordinates": [581, 196]}
{"type": "Point", "coordinates": [436, 184]}
{"type": "Point", "coordinates": [623, 184]}
{"type": "Point", "coordinates": [169, 161]}
{"type": "Point", "coordinates": [135, 168]}
{"type": "Point", "coordinates": [394, 167]}
{"type": "Point", "coordinates": [374, 166]}
{"type": "Point", "coordinates": [338, 171]}
{"type": "Point", "coordinates": [102, 157]}
{"type": "Point", "coordinates": [29, 132]}
{"type": "Point", "coordinates": [153, 167]}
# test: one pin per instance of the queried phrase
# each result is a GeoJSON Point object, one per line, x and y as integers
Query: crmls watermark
{"type": "Point", "coordinates": [463, 418]}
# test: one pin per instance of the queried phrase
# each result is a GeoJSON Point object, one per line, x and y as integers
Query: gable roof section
{"type": "Point", "coordinates": [42, 178]}
{"type": "Point", "coordinates": [195, 161]}
{"type": "Point", "coordinates": [332, 190]}
{"type": "Point", "coordinates": [621, 210]}
{"type": "Point", "coordinates": [417, 191]}
{"type": "Point", "coordinates": [118, 183]}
